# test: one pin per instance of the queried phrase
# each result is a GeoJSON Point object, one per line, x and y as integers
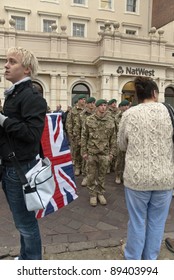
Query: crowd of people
{"type": "Point", "coordinates": [135, 142]}
{"type": "Point", "coordinates": [92, 127]}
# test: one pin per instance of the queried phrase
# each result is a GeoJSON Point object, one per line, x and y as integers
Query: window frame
{"type": "Point", "coordinates": [134, 31]}
{"type": "Point", "coordinates": [131, 26]}
{"type": "Point", "coordinates": [111, 8]}
{"type": "Point", "coordinates": [51, 22]}
{"type": "Point", "coordinates": [136, 8]}
{"type": "Point", "coordinates": [48, 16]}
{"type": "Point", "coordinates": [85, 5]}
{"type": "Point", "coordinates": [18, 12]}
{"type": "Point", "coordinates": [16, 18]}
{"type": "Point", "coordinates": [79, 23]}
{"type": "Point", "coordinates": [80, 4]}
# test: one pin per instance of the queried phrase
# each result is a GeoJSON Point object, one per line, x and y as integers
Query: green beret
{"type": "Point", "coordinates": [124, 103]}
{"type": "Point", "coordinates": [81, 96]}
{"type": "Point", "coordinates": [75, 101]}
{"type": "Point", "coordinates": [100, 101]}
{"type": "Point", "coordinates": [90, 100]}
{"type": "Point", "coordinates": [111, 101]}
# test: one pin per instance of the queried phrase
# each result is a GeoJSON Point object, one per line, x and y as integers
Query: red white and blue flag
{"type": "Point", "coordinates": [55, 147]}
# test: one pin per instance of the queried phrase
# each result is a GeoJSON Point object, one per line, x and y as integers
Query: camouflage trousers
{"type": "Point", "coordinates": [120, 163]}
{"type": "Point", "coordinates": [112, 164]}
{"type": "Point", "coordinates": [84, 167]}
{"type": "Point", "coordinates": [97, 166]}
{"type": "Point", "coordinates": [76, 155]}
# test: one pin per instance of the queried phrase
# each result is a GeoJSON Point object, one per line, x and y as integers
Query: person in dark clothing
{"type": "Point", "coordinates": [22, 120]}
{"type": "Point", "coordinates": [65, 116]}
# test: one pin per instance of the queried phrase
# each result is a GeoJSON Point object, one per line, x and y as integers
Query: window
{"type": "Point", "coordinates": [78, 30]}
{"type": "Point", "coordinates": [106, 4]}
{"type": "Point", "coordinates": [81, 2]}
{"type": "Point", "coordinates": [101, 28]}
{"type": "Point", "coordinates": [131, 28]}
{"type": "Point", "coordinates": [131, 32]}
{"type": "Point", "coordinates": [19, 22]}
{"type": "Point", "coordinates": [47, 25]}
{"type": "Point", "coordinates": [131, 6]}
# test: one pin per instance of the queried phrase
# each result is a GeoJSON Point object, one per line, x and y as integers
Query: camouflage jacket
{"type": "Point", "coordinates": [117, 120]}
{"type": "Point", "coordinates": [71, 120]}
{"type": "Point", "coordinates": [113, 113]}
{"type": "Point", "coordinates": [98, 135]}
{"type": "Point", "coordinates": [80, 123]}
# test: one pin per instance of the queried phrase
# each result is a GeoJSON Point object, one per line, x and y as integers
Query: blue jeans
{"type": "Point", "coordinates": [25, 221]}
{"type": "Point", "coordinates": [148, 211]}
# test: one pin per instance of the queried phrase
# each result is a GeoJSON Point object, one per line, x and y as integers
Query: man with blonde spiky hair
{"type": "Point", "coordinates": [22, 120]}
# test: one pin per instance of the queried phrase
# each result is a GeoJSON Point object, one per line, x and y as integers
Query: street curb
{"type": "Point", "coordinates": [79, 246]}
{"type": "Point", "coordinates": [63, 247]}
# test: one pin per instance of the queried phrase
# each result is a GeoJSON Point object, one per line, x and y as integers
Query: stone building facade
{"type": "Point", "coordinates": [91, 47]}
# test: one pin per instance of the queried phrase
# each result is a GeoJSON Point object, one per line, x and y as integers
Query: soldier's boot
{"type": "Point", "coordinates": [84, 182]}
{"type": "Point", "coordinates": [77, 171]}
{"type": "Point", "coordinates": [117, 180]}
{"type": "Point", "coordinates": [102, 199]}
{"type": "Point", "coordinates": [93, 201]}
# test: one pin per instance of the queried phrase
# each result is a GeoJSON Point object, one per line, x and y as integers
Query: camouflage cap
{"type": "Point", "coordinates": [90, 100]}
{"type": "Point", "coordinates": [100, 101]}
{"type": "Point", "coordinates": [111, 101]}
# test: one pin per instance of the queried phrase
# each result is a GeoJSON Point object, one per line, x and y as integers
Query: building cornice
{"type": "Point", "coordinates": [101, 59]}
{"type": "Point", "coordinates": [13, 9]}
{"type": "Point", "coordinates": [43, 13]}
{"type": "Point", "coordinates": [79, 17]}
{"type": "Point", "coordinates": [131, 24]}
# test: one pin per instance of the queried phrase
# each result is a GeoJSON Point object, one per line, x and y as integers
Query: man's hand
{"type": "Point", "coordinates": [2, 119]}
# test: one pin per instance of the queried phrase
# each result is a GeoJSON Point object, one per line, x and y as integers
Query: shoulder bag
{"type": "Point", "coordinates": [38, 183]}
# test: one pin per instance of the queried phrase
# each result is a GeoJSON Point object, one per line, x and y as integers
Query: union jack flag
{"type": "Point", "coordinates": [55, 147]}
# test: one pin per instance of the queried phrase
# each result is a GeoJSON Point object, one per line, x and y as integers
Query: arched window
{"type": "Point", "coordinates": [79, 89]}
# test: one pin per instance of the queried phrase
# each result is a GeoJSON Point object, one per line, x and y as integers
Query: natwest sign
{"type": "Point", "coordinates": [135, 71]}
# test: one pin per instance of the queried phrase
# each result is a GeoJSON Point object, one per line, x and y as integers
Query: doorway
{"type": "Point", "coordinates": [169, 96]}
{"type": "Point", "coordinates": [129, 93]}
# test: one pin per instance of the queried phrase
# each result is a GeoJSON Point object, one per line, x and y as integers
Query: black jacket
{"type": "Point", "coordinates": [26, 110]}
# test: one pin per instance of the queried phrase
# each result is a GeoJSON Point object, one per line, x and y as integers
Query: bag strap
{"type": "Point", "coordinates": [12, 157]}
{"type": "Point", "coordinates": [171, 113]}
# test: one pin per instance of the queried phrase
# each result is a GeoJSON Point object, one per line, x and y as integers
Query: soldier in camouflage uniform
{"type": "Point", "coordinates": [113, 110]}
{"type": "Point", "coordinates": [98, 142]}
{"type": "Point", "coordinates": [89, 110]}
{"type": "Point", "coordinates": [120, 155]}
{"type": "Point", "coordinates": [73, 138]}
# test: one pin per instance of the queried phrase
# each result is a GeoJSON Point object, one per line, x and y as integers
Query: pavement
{"type": "Point", "coordinates": [78, 230]}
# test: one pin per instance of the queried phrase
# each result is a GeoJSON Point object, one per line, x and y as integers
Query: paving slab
{"type": "Point", "coordinates": [78, 226]}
